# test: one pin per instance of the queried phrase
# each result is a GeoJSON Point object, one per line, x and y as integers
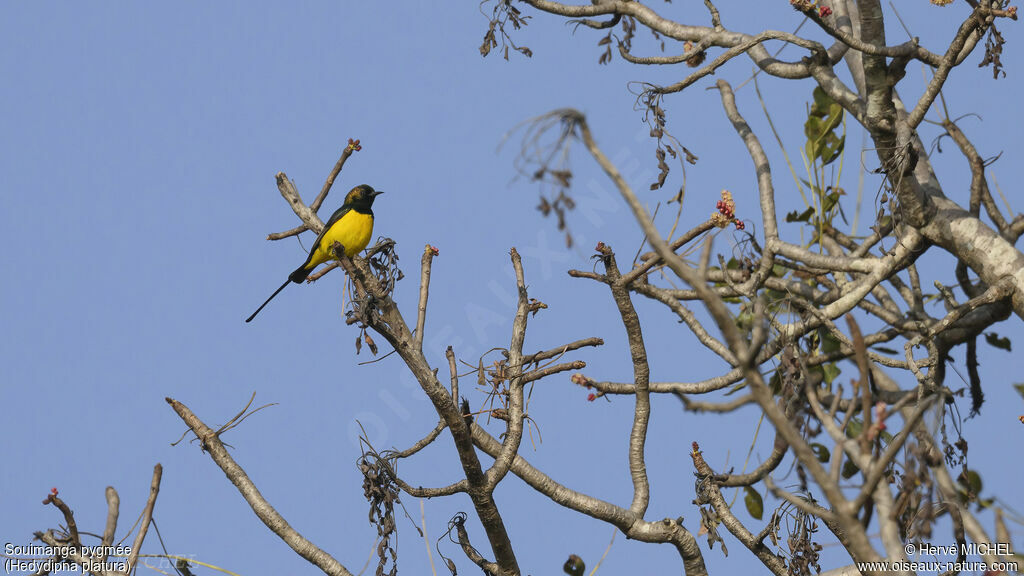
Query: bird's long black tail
{"type": "Point", "coordinates": [276, 292]}
{"type": "Point", "coordinates": [302, 272]}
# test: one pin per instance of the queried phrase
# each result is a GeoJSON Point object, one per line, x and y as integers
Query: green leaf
{"type": "Point", "coordinates": [775, 383]}
{"type": "Point", "coordinates": [971, 482]}
{"type": "Point", "coordinates": [755, 506]}
{"type": "Point", "coordinates": [849, 470]}
{"type": "Point", "coordinates": [804, 216]}
{"type": "Point", "coordinates": [821, 452]}
{"type": "Point", "coordinates": [815, 147]}
{"type": "Point", "coordinates": [817, 373]}
{"type": "Point", "coordinates": [831, 372]}
{"type": "Point", "coordinates": [854, 427]}
{"type": "Point", "coordinates": [824, 117]}
{"type": "Point", "coordinates": [813, 128]}
{"type": "Point", "coordinates": [974, 481]}
{"type": "Point", "coordinates": [831, 148]}
{"type": "Point", "coordinates": [574, 566]}
{"type": "Point", "coordinates": [829, 343]}
{"type": "Point", "coordinates": [831, 200]}
{"type": "Point", "coordinates": [885, 350]}
{"type": "Point", "coordinates": [1020, 389]}
{"type": "Point", "coordinates": [996, 341]}
{"type": "Point", "coordinates": [821, 99]}
{"type": "Point", "coordinates": [835, 116]}
{"type": "Point", "coordinates": [745, 320]}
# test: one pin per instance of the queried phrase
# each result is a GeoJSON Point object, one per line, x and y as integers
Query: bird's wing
{"type": "Point", "coordinates": [345, 208]}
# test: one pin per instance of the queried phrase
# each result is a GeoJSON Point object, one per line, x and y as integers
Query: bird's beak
{"type": "Point", "coordinates": [376, 193]}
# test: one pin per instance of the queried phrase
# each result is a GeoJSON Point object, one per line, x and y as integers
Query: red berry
{"type": "Point", "coordinates": [824, 11]}
{"type": "Point", "coordinates": [591, 397]}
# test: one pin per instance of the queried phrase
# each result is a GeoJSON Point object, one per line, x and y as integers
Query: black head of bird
{"type": "Point", "coordinates": [361, 197]}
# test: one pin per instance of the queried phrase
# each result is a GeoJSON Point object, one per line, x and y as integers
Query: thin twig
{"type": "Point", "coordinates": [287, 233]}
{"type": "Point", "coordinates": [147, 516]}
{"type": "Point", "coordinates": [322, 272]}
{"type": "Point", "coordinates": [421, 311]}
{"type": "Point", "coordinates": [606, 550]}
{"type": "Point", "coordinates": [353, 145]}
{"type": "Point", "coordinates": [113, 511]}
{"type": "Point", "coordinates": [211, 443]}
{"type": "Point", "coordinates": [426, 539]}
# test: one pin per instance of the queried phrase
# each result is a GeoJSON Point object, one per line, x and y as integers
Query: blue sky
{"type": "Point", "coordinates": [139, 148]}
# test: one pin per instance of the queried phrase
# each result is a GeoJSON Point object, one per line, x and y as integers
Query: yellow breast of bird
{"type": "Point", "coordinates": [353, 231]}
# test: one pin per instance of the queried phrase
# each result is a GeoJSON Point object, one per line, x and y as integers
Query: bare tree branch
{"type": "Point", "coordinates": [353, 145]}
{"type": "Point", "coordinates": [421, 311]}
{"type": "Point", "coordinates": [113, 510]}
{"type": "Point", "coordinates": [665, 531]}
{"type": "Point", "coordinates": [147, 516]}
{"type": "Point", "coordinates": [710, 493]}
{"type": "Point", "coordinates": [516, 405]}
{"type": "Point", "coordinates": [641, 381]}
{"type": "Point", "coordinates": [210, 442]}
